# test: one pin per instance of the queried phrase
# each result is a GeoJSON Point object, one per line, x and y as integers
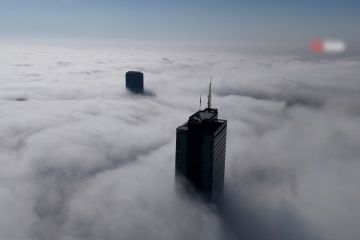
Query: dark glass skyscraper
{"type": "Point", "coordinates": [135, 82]}
{"type": "Point", "coordinates": [200, 152]}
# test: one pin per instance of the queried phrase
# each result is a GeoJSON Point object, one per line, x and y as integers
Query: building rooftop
{"type": "Point", "coordinates": [134, 72]}
{"type": "Point", "coordinates": [206, 114]}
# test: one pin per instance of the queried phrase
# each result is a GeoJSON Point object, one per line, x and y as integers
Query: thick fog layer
{"type": "Point", "coordinates": [81, 158]}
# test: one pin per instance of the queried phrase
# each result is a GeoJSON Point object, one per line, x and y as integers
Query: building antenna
{"type": "Point", "coordinates": [209, 96]}
{"type": "Point", "coordinates": [200, 103]}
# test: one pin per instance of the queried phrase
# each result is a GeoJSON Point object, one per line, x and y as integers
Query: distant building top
{"type": "Point", "coordinates": [135, 82]}
{"type": "Point", "coordinates": [134, 72]}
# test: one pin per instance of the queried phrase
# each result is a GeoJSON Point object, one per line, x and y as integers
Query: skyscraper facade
{"type": "Point", "coordinates": [135, 82]}
{"type": "Point", "coordinates": [200, 152]}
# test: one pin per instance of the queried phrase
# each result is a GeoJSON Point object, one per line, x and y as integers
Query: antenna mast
{"type": "Point", "coordinates": [209, 96]}
{"type": "Point", "coordinates": [200, 103]}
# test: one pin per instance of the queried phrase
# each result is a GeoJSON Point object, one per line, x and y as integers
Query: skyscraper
{"type": "Point", "coordinates": [200, 152]}
{"type": "Point", "coordinates": [135, 82]}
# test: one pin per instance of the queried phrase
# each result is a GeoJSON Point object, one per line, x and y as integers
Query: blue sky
{"type": "Point", "coordinates": [180, 20]}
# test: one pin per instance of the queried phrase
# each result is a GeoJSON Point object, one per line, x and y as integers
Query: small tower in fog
{"type": "Point", "coordinates": [135, 82]}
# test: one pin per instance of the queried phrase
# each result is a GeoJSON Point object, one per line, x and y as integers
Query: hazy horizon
{"type": "Point", "coordinates": [279, 23]}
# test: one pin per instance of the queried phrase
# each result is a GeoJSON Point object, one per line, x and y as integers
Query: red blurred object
{"type": "Point", "coordinates": [317, 46]}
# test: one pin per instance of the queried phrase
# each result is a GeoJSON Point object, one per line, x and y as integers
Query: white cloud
{"type": "Point", "coordinates": [83, 159]}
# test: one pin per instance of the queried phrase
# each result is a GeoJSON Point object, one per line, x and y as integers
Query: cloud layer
{"type": "Point", "coordinates": [81, 158]}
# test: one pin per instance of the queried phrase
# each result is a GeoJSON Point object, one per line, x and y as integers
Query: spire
{"type": "Point", "coordinates": [209, 96]}
{"type": "Point", "coordinates": [200, 103]}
